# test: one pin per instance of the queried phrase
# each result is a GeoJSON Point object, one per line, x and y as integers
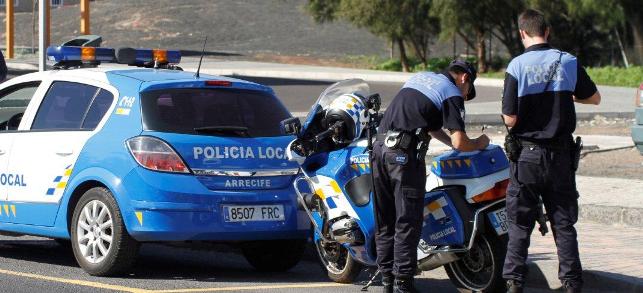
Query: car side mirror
{"type": "Point", "coordinates": [14, 122]}
{"type": "Point", "coordinates": [291, 126]}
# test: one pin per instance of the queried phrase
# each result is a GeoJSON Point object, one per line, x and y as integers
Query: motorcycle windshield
{"type": "Point", "coordinates": [349, 86]}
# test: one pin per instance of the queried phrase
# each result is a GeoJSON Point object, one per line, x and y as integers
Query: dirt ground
{"type": "Point", "coordinates": [624, 163]}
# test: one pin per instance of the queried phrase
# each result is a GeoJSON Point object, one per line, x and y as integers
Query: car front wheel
{"type": "Point", "coordinates": [100, 241]}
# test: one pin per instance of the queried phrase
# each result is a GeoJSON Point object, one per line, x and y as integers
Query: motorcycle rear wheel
{"type": "Point", "coordinates": [480, 269]}
{"type": "Point", "coordinates": [338, 262]}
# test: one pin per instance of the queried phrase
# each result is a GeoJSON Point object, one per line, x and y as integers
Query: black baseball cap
{"type": "Point", "coordinates": [468, 68]}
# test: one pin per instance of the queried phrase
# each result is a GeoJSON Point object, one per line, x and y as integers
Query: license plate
{"type": "Point", "coordinates": [243, 213]}
{"type": "Point", "coordinates": [498, 220]}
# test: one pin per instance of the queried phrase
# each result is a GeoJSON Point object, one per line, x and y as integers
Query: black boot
{"type": "Point", "coordinates": [387, 283]}
{"type": "Point", "coordinates": [514, 286]}
{"type": "Point", "coordinates": [404, 285]}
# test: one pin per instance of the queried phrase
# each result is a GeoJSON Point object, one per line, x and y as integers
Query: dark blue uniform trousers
{"type": "Point", "coordinates": [399, 179]}
{"type": "Point", "coordinates": [548, 173]}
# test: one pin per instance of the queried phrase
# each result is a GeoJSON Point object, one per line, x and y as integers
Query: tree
{"type": "Point", "coordinates": [469, 19]}
{"type": "Point", "coordinates": [583, 27]}
{"type": "Point", "coordinates": [400, 21]}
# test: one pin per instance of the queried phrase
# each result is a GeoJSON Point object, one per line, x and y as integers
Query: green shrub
{"type": "Point", "coordinates": [617, 76]}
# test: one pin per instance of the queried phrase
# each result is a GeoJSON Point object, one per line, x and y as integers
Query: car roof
{"type": "Point", "coordinates": [154, 78]}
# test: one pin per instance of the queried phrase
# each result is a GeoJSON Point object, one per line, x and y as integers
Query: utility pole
{"type": "Point", "coordinates": [10, 29]}
{"type": "Point", "coordinates": [43, 33]}
{"type": "Point", "coordinates": [84, 17]}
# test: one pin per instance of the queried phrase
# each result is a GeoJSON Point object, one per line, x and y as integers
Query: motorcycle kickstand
{"type": "Point", "coordinates": [370, 282]}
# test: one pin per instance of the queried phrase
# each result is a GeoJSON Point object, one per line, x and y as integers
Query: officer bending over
{"type": "Point", "coordinates": [427, 102]}
{"type": "Point", "coordinates": [541, 86]}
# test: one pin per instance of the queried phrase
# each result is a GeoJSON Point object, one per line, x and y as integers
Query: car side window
{"type": "Point", "coordinates": [13, 103]}
{"type": "Point", "coordinates": [65, 106]}
{"type": "Point", "coordinates": [97, 110]}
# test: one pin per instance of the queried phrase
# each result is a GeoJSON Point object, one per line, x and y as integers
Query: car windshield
{"type": "Point", "coordinates": [220, 112]}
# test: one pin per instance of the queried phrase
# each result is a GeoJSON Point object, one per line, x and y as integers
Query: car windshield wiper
{"type": "Point", "coordinates": [238, 130]}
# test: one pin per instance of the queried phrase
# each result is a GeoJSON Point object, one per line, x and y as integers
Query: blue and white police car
{"type": "Point", "coordinates": [110, 158]}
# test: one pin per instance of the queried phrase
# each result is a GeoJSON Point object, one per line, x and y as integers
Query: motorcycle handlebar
{"type": "Point", "coordinates": [328, 132]}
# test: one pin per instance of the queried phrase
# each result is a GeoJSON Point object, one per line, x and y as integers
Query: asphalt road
{"type": "Point", "coordinates": [299, 95]}
{"type": "Point", "coordinates": [32, 264]}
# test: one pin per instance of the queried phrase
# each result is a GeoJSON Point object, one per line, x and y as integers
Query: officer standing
{"type": "Point", "coordinates": [541, 86]}
{"type": "Point", "coordinates": [427, 102]}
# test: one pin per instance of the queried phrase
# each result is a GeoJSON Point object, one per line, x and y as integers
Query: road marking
{"type": "Point", "coordinates": [139, 290]}
{"type": "Point", "coordinates": [259, 287]}
{"type": "Point", "coordinates": [75, 282]}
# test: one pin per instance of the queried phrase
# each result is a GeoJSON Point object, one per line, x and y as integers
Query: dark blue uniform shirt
{"type": "Point", "coordinates": [544, 114]}
{"type": "Point", "coordinates": [429, 101]}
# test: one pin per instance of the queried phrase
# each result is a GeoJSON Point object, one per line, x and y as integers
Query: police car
{"type": "Point", "coordinates": [110, 158]}
{"type": "Point", "coordinates": [637, 128]}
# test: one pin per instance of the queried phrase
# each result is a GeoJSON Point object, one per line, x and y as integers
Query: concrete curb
{"type": "Point", "coordinates": [611, 215]}
{"type": "Point", "coordinates": [21, 66]}
{"type": "Point", "coordinates": [494, 119]}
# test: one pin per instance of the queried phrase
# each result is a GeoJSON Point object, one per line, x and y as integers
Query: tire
{"type": "Point", "coordinates": [338, 263]}
{"type": "Point", "coordinates": [89, 240]}
{"type": "Point", "coordinates": [480, 269]}
{"type": "Point", "coordinates": [274, 255]}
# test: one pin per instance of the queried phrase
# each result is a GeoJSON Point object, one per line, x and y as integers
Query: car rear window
{"type": "Point", "coordinates": [223, 111]}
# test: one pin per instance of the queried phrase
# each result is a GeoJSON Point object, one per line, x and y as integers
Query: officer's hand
{"type": "Point", "coordinates": [482, 141]}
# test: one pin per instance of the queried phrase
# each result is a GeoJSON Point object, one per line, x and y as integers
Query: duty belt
{"type": "Point", "coordinates": [560, 144]}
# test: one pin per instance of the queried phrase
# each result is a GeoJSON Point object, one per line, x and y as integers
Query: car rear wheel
{"type": "Point", "coordinates": [274, 255]}
{"type": "Point", "coordinates": [100, 242]}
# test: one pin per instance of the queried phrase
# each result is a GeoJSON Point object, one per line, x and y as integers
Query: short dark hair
{"type": "Point", "coordinates": [533, 23]}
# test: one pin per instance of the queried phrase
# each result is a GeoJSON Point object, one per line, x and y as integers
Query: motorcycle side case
{"type": "Point", "coordinates": [464, 165]}
{"type": "Point", "coordinates": [448, 219]}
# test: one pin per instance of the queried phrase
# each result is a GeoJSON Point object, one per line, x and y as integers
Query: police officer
{"type": "Point", "coordinates": [427, 102]}
{"type": "Point", "coordinates": [541, 86]}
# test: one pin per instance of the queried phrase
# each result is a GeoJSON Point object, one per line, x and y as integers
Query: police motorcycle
{"type": "Point", "coordinates": [464, 215]}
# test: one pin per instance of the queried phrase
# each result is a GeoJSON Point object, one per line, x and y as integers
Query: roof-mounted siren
{"type": "Point", "coordinates": [80, 52]}
{"type": "Point", "coordinates": [84, 41]}
{"type": "Point", "coordinates": [149, 58]}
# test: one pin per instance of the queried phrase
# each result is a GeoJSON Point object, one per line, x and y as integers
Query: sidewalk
{"type": "Point", "coordinates": [611, 258]}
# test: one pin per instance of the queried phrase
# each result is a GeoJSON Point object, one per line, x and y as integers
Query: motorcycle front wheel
{"type": "Point", "coordinates": [338, 262]}
{"type": "Point", "coordinates": [480, 269]}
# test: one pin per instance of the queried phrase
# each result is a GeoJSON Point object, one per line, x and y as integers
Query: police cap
{"type": "Point", "coordinates": [468, 68]}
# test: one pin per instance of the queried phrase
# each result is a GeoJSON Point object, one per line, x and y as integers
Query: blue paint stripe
{"type": "Point", "coordinates": [331, 203]}
{"type": "Point", "coordinates": [51, 191]}
{"type": "Point", "coordinates": [58, 178]}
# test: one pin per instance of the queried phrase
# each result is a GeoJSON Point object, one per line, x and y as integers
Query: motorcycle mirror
{"type": "Point", "coordinates": [291, 126]}
{"type": "Point", "coordinates": [374, 102]}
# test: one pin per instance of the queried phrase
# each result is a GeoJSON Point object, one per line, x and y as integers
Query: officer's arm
{"type": "Point", "coordinates": [595, 99]}
{"type": "Point", "coordinates": [585, 91]}
{"type": "Point", "coordinates": [510, 100]}
{"type": "Point", "coordinates": [463, 143]}
{"type": "Point", "coordinates": [510, 120]}
{"type": "Point", "coordinates": [442, 137]}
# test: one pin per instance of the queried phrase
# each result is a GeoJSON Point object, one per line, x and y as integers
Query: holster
{"type": "Point", "coordinates": [423, 144]}
{"type": "Point", "coordinates": [398, 139]}
{"type": "Point", "coordinates": [513, 147]}
{"type": "Point", "coordinates": [576, 150]}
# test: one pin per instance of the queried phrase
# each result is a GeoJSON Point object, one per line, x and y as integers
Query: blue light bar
{"type": "Point", "coordinates": [161, 56]}
{"type": "Point", "coordinates": [73, 53]}
{"type": "Point", "coordinates": [74, 56]}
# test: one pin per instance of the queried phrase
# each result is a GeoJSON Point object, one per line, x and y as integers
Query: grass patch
{"type": "Point", "coordinates": [617, 76]}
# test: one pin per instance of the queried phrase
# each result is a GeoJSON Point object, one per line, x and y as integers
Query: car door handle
{"type": "Point", "coordinates": [1, 152]}
{"type": "Point", "coordinates": [64, 153]}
